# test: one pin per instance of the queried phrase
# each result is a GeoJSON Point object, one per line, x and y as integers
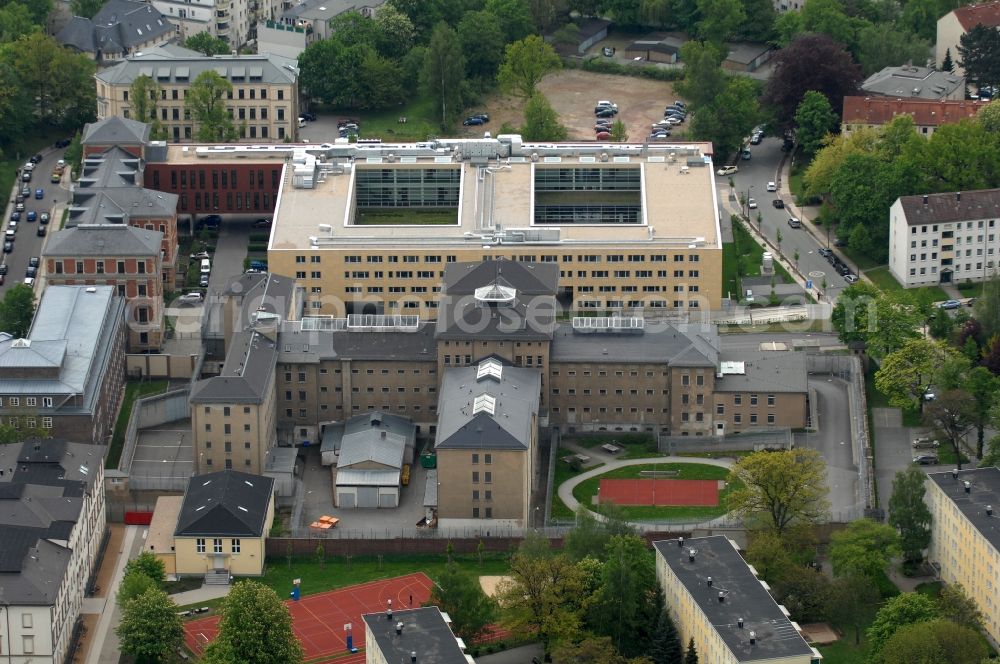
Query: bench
{"type": "Point", "coordinates": [611, 449]}
{"type": "Point", "coordinates": [659, 474]}
{"type": "Point", "coordinates": [184, 614]}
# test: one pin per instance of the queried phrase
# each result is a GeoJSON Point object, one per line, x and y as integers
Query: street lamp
{"type": "Point", "coordinates": [747, 203]}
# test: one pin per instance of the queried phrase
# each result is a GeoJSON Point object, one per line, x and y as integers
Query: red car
{"type": "Point", "coordinates": [603, 136]}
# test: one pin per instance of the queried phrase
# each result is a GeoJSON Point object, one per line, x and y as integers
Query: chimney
{"type": "Point", "coordinates": [968, 486]}
{"type": "Point", "coordinates": [722, 597]}
{"type": "Point", "coordinates": [925, 199]}
{"type": "Point", "coordinates": [989, 510]}
{"type": "Point", "coordinates": [709, 582]}
{"type": "Point", "coordinates": [739, 623]}
{"type": "Point", "coordinates": [753, 637]}
{"type": "Point", "coordinates": [388, 614]}
{"type": "Point", "coordinates": [383, 435]}
{"type": "Point", "coordinates": [680, 541]}
{"type": "Point", "coordinates": [413, 655]}
{"type": "Point", "coordinates": [958, 196]}
{"type": "Point", "coordinates": [399, 627]}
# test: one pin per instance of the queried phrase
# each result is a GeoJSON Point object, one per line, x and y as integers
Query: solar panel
{"type": "Point", "coordinates": [377, 322]}
{"type": "Point", "coordinates": [323, 324]}
{"type": "Point", "coordinates": [608, 323]}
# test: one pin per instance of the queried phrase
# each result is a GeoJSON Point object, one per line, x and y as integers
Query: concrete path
{"type": "Point", "coordinates": [202, 594]}
{"type": "Point", "coordinates": [104, 647]}
{"type": "Point", "coordinates": [521, 655]}
{"type": "Point", "coordinates": [566, 488]}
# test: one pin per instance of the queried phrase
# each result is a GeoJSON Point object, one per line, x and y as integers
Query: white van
{"type": "Point", "coordinates": [206, 266]}
{"type": "Point", "coordinates": [302, 122]}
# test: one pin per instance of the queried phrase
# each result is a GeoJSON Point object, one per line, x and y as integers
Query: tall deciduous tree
{"type": "Point", "coordinates": [951, 415]}
{"type": "Point", "coordinates": [811, 62]}
{"type": "Point", "coordinates": [903, 609]}
{"type": "Point", "coordinates": [627, 593]}
{"type": "Point", "coordinates": [206, 44]}
{"type": "Point", "coordinates": [525, 63]}
{"type": "Point", "coordinates": [206, 100]}
{"type": "Point", "coordinates": [460, 596]}
{"type": "Point", "coordinates": [17, 308]}
{"type": "Point", "coordinates": [15, 22]}
{"type": "Point", "coordinates": [394, 32]}
{"type": "Point", "coordinates": [959, 608]}
{"type": "Point", "coordinates": [133, 584]}
{"type": "Point", "coordinates": [906, 373]}
{"type": "Point", "coordinates": [443, 72]}
{"type": "Point", "coordinates": [59, 82]}
{"type": "Point", "coordinates": [591, 650]}
{"type": "Point", "coordinates": [255, 627]}
{"type": "Point", "coordinates": [719, 19]}
{"type": "Point", "coordinates": [885, 45]}
{"type": "Point", "coordinates": [814, 119]}
{"type": "Point", "coordinates": [729, 116]}
{"type": "Point", "coordinates": [934, 642]}
{"type": "Point", "coordinates": [979, 55]}
{"type": "Point", "coordinates": [515, 18]}
{"type": "Point", "coordinates": [909, 515]}
{"type": "Point", "coordinates": [780, 489]}
{"type": "Point", "coordinates": [989, 117]}
{"type": "Point", "coordinates": [150, 628]}
{"type": "Point", "coordinates": [148, 564]}
{"type": "Point", "coordinates": [852, 602]}
{"type": "Point", "coordinates": [39, 9]}
{"type": "Point", "coordinates": [703, 75]}
{"type": "Point", "coordinates": [864, 548]}
{"type": "Point", "coordinates": [482, 42]}
{"type": "Point", "coordinates": [541, 122]}
{"type": "Point", "coordinates": [983, 387]}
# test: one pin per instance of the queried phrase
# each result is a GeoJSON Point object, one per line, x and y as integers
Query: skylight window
{"type": "Point", "coordinates": [489, 369]}
{"type": "Point", "coordinates": [484, 403]}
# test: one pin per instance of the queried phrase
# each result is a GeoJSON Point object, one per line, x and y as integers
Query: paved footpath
{"type": "Point", "coordinates": [104, 647]}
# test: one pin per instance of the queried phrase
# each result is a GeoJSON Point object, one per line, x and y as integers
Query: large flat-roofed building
{"type": "Point", "coordinates": [370, 228]}
{"type": "Point", "coordinates": [965, 536]}
{"type": "Point", "coordinates": [412, 635]}
{"type": "Point", "coordinates": [715, 597]}
{"type": "Point", "coordinates": [944, 238]}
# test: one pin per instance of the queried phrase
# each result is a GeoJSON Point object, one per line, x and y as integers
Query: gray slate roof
{"type": "Point", "coordinates": [510, 426]}
{"type": "Point", "coordinates": [984, 490]}
{"type": "Point", "coordinates": [766, 371]}
{"type": "Point", "coordinates": [320, 10]}
{"type": "Point", "coordinates": [119, 26]}
{"type": "Point", "coordinates": [677, 345]}
{"type": "Point", "coordinates": [115, 131]}
{"type": "Point", "coordinates": [104, 240]}
{"type": "Point", "coordinates": [245, 375]}
{"type": "Point", "coordinates": [950, 207]}
{"type": "Point", "coordinates": [225, 504]}
{"type": "Point", "coordinates": [913, 82]}
{"type": "Point", "coordinates": [176, 67]}
{"type": "Point", "coordinates": [416, 346]}
{"type": "Point", "coordinates": [425, 632]}
{"type": "Point", "coordinates": [378, 437]}
{"type": "Point", "coordinates": [745, 598]}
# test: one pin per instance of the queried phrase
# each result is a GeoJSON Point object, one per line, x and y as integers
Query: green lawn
{"type": "Point", "coordinates": [133, 390]}
{"type": "Point", "coordinates": [863, 262]}
{"type": "Point", "coordinates": [844, 651]}
{"type": "Point", "coordinates": [931, 589]}
{"type": "Point", "coordinates": [336, 572]}
{"type": "Point", "coordinates": [881, 277]}
{"type": "Point", "coordinates": [635, 445]}
{"type": "Point", "coordinates": [587, 489]}
{"type": "Point", "coordinates": [563, 472]}
{"type": "Point", "coordinates": [423, 121]}
{"type": "Point", "coordinates": [971, 289]}
{"type": "Point", "coordinates": [408, 217]}
{"type": "Point", "coordinates": [746, 246]}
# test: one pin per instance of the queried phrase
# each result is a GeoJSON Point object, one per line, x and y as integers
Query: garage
{"type": "Point", "coordinates": [371, 451]}
{"type": "Point", "coordinates": [367, 496]}
{"type": "Point", "coordinates": [346, 499]}
{"type": "Point", "coordinates": [368, 489]}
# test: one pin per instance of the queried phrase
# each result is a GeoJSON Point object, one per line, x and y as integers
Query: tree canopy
{"type": "Point", "coordinates": [934, 642]}
{"type": "Point", "coordinates": [206, 101]}
{"type": "Point", "coordinates": [17, 308]}
{"type": "Point", "coordinates": [907, 373]}
{"type": "Point", "coordinates": [525, 63]}
{"type": "Point", "coordinates": [541, 122]}
{"type": "Point", "coordinates": [814, 119]}
{"type": "Point", "coordinates": [460, 596]}
{"type": "Point", "coordinates": [903, 609]}
{"type": "Point", "coordinates": [206, 44]}
{"type": "Point", "coordinates": [444, 69]}
{"type": "Point", "coordinates": [909, 515]}
{"type": "Point", "coordinates": [979, 55]}
{"type": "Point", "coordinates": [255, 627]}
{"type": "Point", "coordinates": [778, 489]}
{"type": "Point", "coordinates": [150, 628]}
{"type": "Point", "coordinates": [865, 548]}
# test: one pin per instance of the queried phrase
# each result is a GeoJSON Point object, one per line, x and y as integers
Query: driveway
{"type": "Point", "coordinates": [893, 452]}
{"type": "Point", "coordinates": [833, 440]}
{"type": "Point", "coordinates": [230, 250]}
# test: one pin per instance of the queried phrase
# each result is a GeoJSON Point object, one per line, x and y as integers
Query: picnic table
{"type": "Point", "coordinates": [611, 449]}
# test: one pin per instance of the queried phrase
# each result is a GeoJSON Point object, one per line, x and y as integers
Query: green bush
{"type": "Point", "coordinates": [260, 237]}
{"type": "Point", "coordinates": [605, 66]}
{"type": "Point", "coordinates": [257, 246]}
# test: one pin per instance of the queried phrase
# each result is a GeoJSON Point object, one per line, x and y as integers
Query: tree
{"type": "Point", "coordinates": [729, 116]}
{"type": "Point", "coordinates": [759, 23]}
{"type": "Point", "coordinates": [541, 122]}
{"type": "Point", "coordinates": [255, 627]}
{"type": "Point", "coordinates": [394, 32]}
{"type": "Point", "coordinates": [482, 42]}
{"type": "Point", "coordinates": [17, 308]}
{"type": "Point", "coordinates": [619, 133]}
{"type": "Point", "coordinates": [703, 75]}
{"type": "Point", "coordinates": [206, 44]}
{"type": "Point", "coordinates": [951, 415]}
{"type": "Point", "coordinates": [804, 591]}
{"type": "Point", "coordinates": [719, 19]}
{"type": "Point", "coordinates": [979, 55]}
{"type": "Point", "coordinates": [770, 555]}
{"type": "Point", "coordinates": [983, 387]}
{"type": "Point", "coordinates": [989, 117]}
{"type": "Point", "coordinates": [909, 515]}
{"type": "Point", "coordinates": [906, 373]}
{"type": "Point", "coordinates": [854, 314]}
{"type": "Point", "coordinates": [59, 82]}
{"type": "Point", "coordinates": [934, 642]}
{"type": "Point", "coordinates": [443, 72]}
{"type": "Point", "coordinates": [628, 588]}
{"type": "Point", "coordinates": [133, 584]}
{"type": "Point", "coordinates": [591, 650]}
{"type": "Point", "coordinates": [206, 102]}
{"type": "Point", "coordinates": [814, 119]}
{"type": "Point", "coordinates": [148, 564]}
{"type": "Point", "coordinates": [864, 548]}
{"type": "Point", "coordinates": [691, 656]}
{"type": "Point", "coordinates": [461, 597]}
{"type": "Point", "coordinates": [992, 454]}
{"type": "Point", "coordinates": [947, 64]}
{"type": "Point", "coordinates": [666, 647]}
{"type": "Point", "coordinates": [515, 18]}
{"type": "Point", "coordinates": [961, 609]}
{"type": "Point", "coordinates": [828, 18]}
{"type": "Point", "coordinates": [851, 603]}
{"type": "Point", "coordinates": [780, 489]}
{"type": "Point", "coordinates": [811, 62]}
{"type": "Point", "coordinates": [885, 45]}
{"type": "Point", "coordinates": [525, 63]}
{"type": "Point", "coordinates": [987, 307]}
{"type": "Point", "coordinates": [15, 22]}
{"type": "Point", "coordinates": [903, 609]}
{"type": "Point", "coordinates": [150, 628]}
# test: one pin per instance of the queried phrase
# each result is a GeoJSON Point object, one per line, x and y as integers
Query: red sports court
{"type": "Point", "coordinates": [701, 493]}
{"type": "Point", "coordinates": [318, 620]}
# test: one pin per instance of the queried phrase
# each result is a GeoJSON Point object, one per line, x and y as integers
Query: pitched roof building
{"type": "Point", "coordinates": [119, 28]}
{"type": "Point", "coordinates": [927, 114]}
{"type": "Point", "coordinates": [953, 25]}
{"type": "Point", "coordinates": [306, 22]}
{"type": "Point", "coordinates": [914, 82]}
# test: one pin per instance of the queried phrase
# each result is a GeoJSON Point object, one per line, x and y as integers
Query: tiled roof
{"type": "Point", "coordinates": [119, 26]}
{"type": "Point", "coordinates": [925, 112]}
{"type": "Point", "coordinates": [951, 206]}
{"type": "Point", "coordinates": [227, 503]}
{"type": "Point", "coordinates": [104, 240]}
{"type": "Point", "coordinates": [987, 13]}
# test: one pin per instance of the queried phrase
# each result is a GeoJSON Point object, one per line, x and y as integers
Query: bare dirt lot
{"type": "Point", "coordinates": [573, 94]}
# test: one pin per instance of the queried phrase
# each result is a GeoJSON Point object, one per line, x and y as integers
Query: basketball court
{"type": "Point", "coordinates": [318, 620]}
{"type": "Point", "coordinates": [662, 493]}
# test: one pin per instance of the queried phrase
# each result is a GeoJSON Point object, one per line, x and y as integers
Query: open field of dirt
{"type": "Point", "coordinates": [573, 94]}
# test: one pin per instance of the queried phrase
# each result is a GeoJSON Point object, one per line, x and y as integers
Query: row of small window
{"type": "Point", "coordinates": [487, 477]}
{"type": "Point", "coordinates": [220, 176]}
{"type": "Point", "coordinates": [603, 409]}
{"type": "Point", "coordinates": [632, 304]}
{"type": "Point", "coordinates": [355, 390]}
{"type": "Point", "coordinates": [958, 268]}
{"type": "Point", "coordinates": [241, 113]}
{"type": "Point", "coordinates": [415, 304]}
{"type": "Point", "coordinates": [100, 268]}
{"type": "Point", "coordinates": [241, 93]}
{"type": "Point", "coordinates": [487, 494]}
{"type": "Point", "coordinates": [227, 428]}
{"type": "Point", "coordinates": [487, 459]}
{"type": "Point", "coordinates": [385, 407]}
{"type": "Point", "coordinates": [968, 224]}
{"type": "Point", "coordinates": [227, 411]}
{"type": "Point", "coordinates": [587, 372]}
{"type": "Point", "coordinates": [520, 361]}
{"type": "Point", "coordinates": [738, 401]}
{"type": "Point", "coordinates": [229, 463]}
{"type": "Point", "coordinates": [627, 274]}
{"type": "Point", "coordinates": [30, 402]}
{"type": "Point", "coordinates": [402, 274]}
{"type": "Point", "coordinates": [486, 512]}
{"type": "Point", "coordinates": [210, 201]}
{"type": "Point", "coordinates": [245, 131]}
{"type": "Point", "coordinates": [390, 259]}
{"type": "Point", "coordinates": [228, 445]}
{"type": "Point", "coordinates": [603, 392]}
{"type": "Point", "coordinates": [545, 258]}
{"type": "Point", "coordinates": [234, 545]}
{"type": "Point", "coordinates": [958, 254]}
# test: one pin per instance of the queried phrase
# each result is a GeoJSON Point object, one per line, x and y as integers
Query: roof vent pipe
{"type": "Point", "coordinates": [709, 582]}
{"type": "Point", "coordinates": [722, 597]}
{"type": "Point", "coordinates": [753, 637]}
{"type": "Point", "coordinates": [413, 655]}
{"type": "Point", "coordinates": [399, 627]}
{"type": "Point", "coordinates": [680, 541]}
{"type": "Point", "coordinates": [989, 510]}
{"type": "Point", "coordinates": [968, 486]}
{"type": "Point", "coordinates": [954, 473]}
{"type": "Point", "coordinates": [739, 622]}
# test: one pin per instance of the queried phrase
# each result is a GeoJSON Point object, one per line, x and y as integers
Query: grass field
{"type": "Point", "coordinates": [336, 572]}
{"type": "Point", "coordinates": [881, 277]}
{"type": "Point", "coordinates": [635, 446]}
{"type": "Point", "coordinates": [746, 246]}
{"type": "Point", "coordinates": [587, 489]}
{"type": "Point", "coordinates": [423, 121]}
{"type": "Point", "coordinates": [407, 217]}
{"type": "Point", "coordinates": [563, 472]}
{"type": "Point", "coordinates": [133, 390]}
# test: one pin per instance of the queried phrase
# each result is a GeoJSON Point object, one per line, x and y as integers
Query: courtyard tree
{"type": "Point", "coordinates": [951, 415]}
{"type": "Point", "coordinates": [150, 629]}
{"type": "Point", "coordinates": [959, 608]}
{"type": "Point", "coordinates": [460, 596]}
{"type": "Point", "coordinates": [780, 489]}
{"type": "Point", "coordinates": [591, 649]}
{"type": "Point", "coordinates": [206, 44]}
{"type": "Point", "coordinates": [983, 387]}
{"type": "Point", "coordinates": [907, 373]}
{"type": "Point", "coordinates": [541, 122]}
{"type": "Point", "coordinates": [909, 515]}
{"type": "Point", "coordinates": [852, 602]}
{"type": "Point", "coordinates": [17, 308]}
{"type": "Point", "coordinates": [144, 94]}
{"type": "Point", "coordinates": [865, 548]}
{"type": "Point", "coordinates": [255, 627]}
{"type": "Point", "coordinates": [814, 119]}
{"type": "Point", "coordinates": [626, 599]}
{"type": "Point", "coordinates": [147, 563]}
{"type": "Point", "coordinates": [937, 641]}
{"type": "Point", "coordinates": [133, 584]}
{"type": "Point", "coordinates": [206, 101]}
{"type": "Point", "coordinates": [444, 71]}
{"type": "Point", "coordinates": [525, 63]}
{"type": "Point", "coordinates": [903, 609]}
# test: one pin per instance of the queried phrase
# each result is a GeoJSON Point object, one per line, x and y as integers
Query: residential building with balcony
{"type": "Point", "coordinates": [118, 29]}
{"type": "Point", "coordinates": [944, 238]}
{"type": "Point", "coordinates": [229, 20]}
{"type": "Point", "coordinates": [124, 257]}
{"type": "Point", "coordinates": [263, 103]}
{"type": "Point", "coordinates": [715, 598]}
{"type": "Point", "coordinates": [927, 114]}
{"type": "Point", "coordinates": [67, 376]}
{"type": "Point", "coordinates": [306, 22]}
{"type": "Point", "coordinates": [52, 516]}
{"type": "Point", "coordinates": [965, 537]}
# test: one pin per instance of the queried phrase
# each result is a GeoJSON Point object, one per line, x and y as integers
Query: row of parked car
{"type": "Point", "coordinates": [838, 265]}
{"type": "Point", "coordinates": [673, 115]}
{"type": "Point", "coordinates": [29, 275]}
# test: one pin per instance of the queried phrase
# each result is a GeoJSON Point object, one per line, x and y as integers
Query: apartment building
{"type": "Point", "coordinates": [226, 19]}
{"type": "Point", "coordinates": [67, 376]}
{"type": "Point", "coordinates": [119, 28]}
{"type": "Point", "coordinates": [263, 103]}
{"type": "Point", "coordinates": [927, 114]}
{"type": "Point", "coordinates": [965, 540]}
{"type": "Point", "coordinates": [52, 516]}
{"type": "Point", "coordinates": [953, 25]}
{"type": "Point", "coordinates": [715, 597]}
{"type": "Point", "coordinates": [124, 257]}
{"type": "Point", "coordinates": [412, 635]}
{"type": "Point", "coordinates": [306, 22]}
{"type": "Point", "coordinates": [944, 238]}
{"type": "Point", "coordinates": [914, 82]}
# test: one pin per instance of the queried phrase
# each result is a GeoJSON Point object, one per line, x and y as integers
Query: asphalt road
{"type": "Point", "coordinates": [753, 176]}
{"type": "Point", "coordinates": [28, 244]}
{"type": "Point", "coordinates": [833, 440]}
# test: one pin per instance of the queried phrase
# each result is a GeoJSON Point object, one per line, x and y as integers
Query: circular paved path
{"type": "Point", "coordinates": [566, 488]}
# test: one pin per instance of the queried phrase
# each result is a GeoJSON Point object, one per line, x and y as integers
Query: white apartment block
{"type": "Point", "coordinates": [226, 19]}
{"type": "Point", "coordinates": [944, 238]}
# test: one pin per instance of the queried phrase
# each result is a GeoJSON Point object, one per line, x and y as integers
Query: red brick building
{"type": "Point", "coordinates": [218, 186]}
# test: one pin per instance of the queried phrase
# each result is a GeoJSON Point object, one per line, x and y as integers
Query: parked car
{"type": "Point", "coordinates": [44, 218]}
{"type": "Point", "coordinates": [9, 235]}
{"type": "Point", "coordinates": [727, 170]}
{"type": "Point", "coordinates": [193, 296]}
{"type": "Point", "coordinates": [203, 281]}
{"type": "Point", "coordinates": [263, 222]}
{"type": "Point", "coordinates": [672, 120]}
{"type": "Point", "coordinates": [56, 177]}
{"type": "Point", "coordinates": [201, 255]}
{"type": "Point", "coordinates": [752, 204]}
{"type": "Point", "coordinates": [26, 176]}
{"type": "Point", "coordinates": [8, 246]}
{"type": "Point", "coordinates": [15, 216]}
{"type": "Point", "coordinates": [794, 222]}
{"type": "Point", "coordinates": [755, 139]}
{"type": "Point", "coordinates": [63, 143]}
{"type": "Point", "coordinates": [307, 115]}
{"type": "Point", "coordinates": [41, 231]}
{"type": "Point", "coordinates": [3, 268]}
{"type": "Point", "coordinates": [926, 459]}
{"type": "Point", "coordinates": [778, 203]}
{"type": "Point", "coordinates": [485, 117]}
{"type": "Point", "coordinates": [925, 442]}
{"type": "Point", "coordinates": [837, 242]}
{"type": "Point", "coordinates": [210, 221]}
{"type": "Point", "coordinates": [29, 282]}
{"type": "Point", "coordinates": [259, 265]}
{"type": "Point", "coordinates": [607, 104]}
{"type": "Point", "coordinates": [34, 261]}
{"type": "Point", "coordinates": [25, 191]}
{"type": "Point", "coordinates": [31, 272]}
{"type": "Point", "coordinates": [825, 252]}
{"type": "Point", "coordinates": [32, 216]}
{"type": "Point", "coordinates": [851, 278]}
{"type": "Point", "coordinates": [473, 121]}
{"type": "Point", "coordinates": [35, 159]}
{"type": "Point", "coordinates": [603, 136]}
{"type": "Point", "coordinates": [746, 154]}
{"type": "Point", "coordinates": [604, 113]}
{"type": "Point", "coordinates": [39, 193]}
{"type": "Point", "coordinates": [28, 166]}
{"type": "Point", "coordinates": [19, 207]}
{"type": "Point", "coordinates": [772, 186]}
{"type": "Point", "coordinates": [947, 304]}
{"type": "Point", "coordinates": [930, 394]}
